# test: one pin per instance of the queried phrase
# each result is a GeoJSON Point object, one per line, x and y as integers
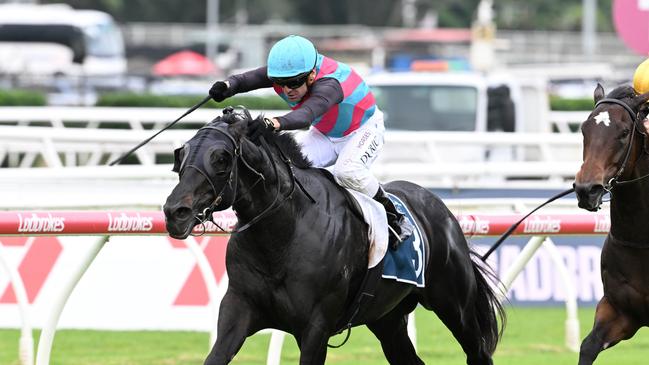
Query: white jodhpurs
{"type": "Point", "coordinates": [350, 157]}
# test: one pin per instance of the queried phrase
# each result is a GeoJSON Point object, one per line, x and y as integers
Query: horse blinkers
{"type": "Point", "coordinates": [216, 161]}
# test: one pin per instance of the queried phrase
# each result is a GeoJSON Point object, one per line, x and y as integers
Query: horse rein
{"type": "Point", "coordinates": [614, 181]}
{"type": "Point", "coordinates": [609, 186]}
{"type": "Point", "coordinates": [272, 206]}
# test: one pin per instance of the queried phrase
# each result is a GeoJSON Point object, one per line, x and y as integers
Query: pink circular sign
{"type": "Point", "coordinates": [631, 20]}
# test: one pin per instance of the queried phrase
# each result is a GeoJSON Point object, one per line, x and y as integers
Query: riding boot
{"type": "Point", "coordinates": [400, 226]}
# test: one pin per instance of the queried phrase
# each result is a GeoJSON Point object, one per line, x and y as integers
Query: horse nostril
{"type": "Point", "coordinates": [182, 213]}
{"type": "Point", "coordinates": [589, 195]}
{"type": "Point", "coordinates": [588, 190]}
{"type": "Point", "coordinates": [581, 189]}
{"type": "Point", "coordinates": [596, 190]}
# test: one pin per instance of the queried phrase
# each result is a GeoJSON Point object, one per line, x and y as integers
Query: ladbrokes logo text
{"type": "Point", "coordinates": [43, 223]}
{"type": "Point", "coordinates": [126, 223]}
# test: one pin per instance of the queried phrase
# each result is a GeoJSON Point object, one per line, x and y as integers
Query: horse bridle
{"type": "Point", "coordinates": [614, 181]}
{"type": "Point", "coordinates": [608, 187]}
{"type": "Point", "coordinates": [206, 214]}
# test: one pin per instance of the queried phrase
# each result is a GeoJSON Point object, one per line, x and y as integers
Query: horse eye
{"type": "Point", "coordinates": [625, 132]}
{"type": "Point", "coordinates": [221, 163]}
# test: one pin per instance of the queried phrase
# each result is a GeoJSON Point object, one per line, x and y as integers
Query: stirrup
{"type": "Point", "coordinates": [405, 223]}
{"type": "Point", "coordinates": [396, 235]}
{"type": "Point", "coordinates": [394, 241]}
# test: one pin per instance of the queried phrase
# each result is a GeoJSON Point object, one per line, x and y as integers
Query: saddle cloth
{"type": "Point", "coordinates": [374, 216]}
{"type": "Point", "coordinates": [406, 264]}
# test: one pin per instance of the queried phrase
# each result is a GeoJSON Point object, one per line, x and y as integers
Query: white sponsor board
{"type": "Point", "coordinates": [146, 282]}
{"type": "Point", "coordinates": [540, 283]}
{"type": "Point", "coordinates": [152, 282]}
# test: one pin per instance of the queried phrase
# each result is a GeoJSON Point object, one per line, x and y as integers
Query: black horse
{"type": "Point", "coordinates": [296, 264]}
{"type": "Point", "coordinates": [616, 160]}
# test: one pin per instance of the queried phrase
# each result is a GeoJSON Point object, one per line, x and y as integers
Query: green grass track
{"type": "Point", "coordinates": [533, 336]}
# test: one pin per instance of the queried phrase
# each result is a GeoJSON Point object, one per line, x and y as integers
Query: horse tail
{"type": "Point", "coordinates": [489, 311]}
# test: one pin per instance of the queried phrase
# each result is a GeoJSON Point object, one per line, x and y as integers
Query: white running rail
{"type": "Point", "coordinates": [425, 158]}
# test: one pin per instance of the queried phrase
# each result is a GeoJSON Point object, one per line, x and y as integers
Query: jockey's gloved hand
{"type": "Point", "coordinates": [260, 127]}
{"type": "Point", "coordinates": [218, 91]}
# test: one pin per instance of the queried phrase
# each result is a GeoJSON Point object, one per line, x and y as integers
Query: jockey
{"type": "Point", "coordinates": [345, 125]}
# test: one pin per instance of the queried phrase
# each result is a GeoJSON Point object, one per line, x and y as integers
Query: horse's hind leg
{"type": "Point", "coordinates": [463, 324]}
{"type": "Point", "coordinates": [611, 326]}
{"type": "Point", "coordinates": [392, 331]}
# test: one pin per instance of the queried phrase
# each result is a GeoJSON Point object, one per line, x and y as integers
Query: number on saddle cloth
{"type": "Point", "coordinates": [406, 263]}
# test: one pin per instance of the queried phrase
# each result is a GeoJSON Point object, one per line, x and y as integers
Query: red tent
{"type": "Point", "coordinates": [184, 63]}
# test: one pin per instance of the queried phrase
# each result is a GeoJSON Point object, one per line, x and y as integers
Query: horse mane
{"type": "Point", "coordinates": [284, 141]}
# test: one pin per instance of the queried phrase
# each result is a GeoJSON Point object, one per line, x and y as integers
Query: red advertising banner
{"type": "Point", "coordinates": [53, 223]}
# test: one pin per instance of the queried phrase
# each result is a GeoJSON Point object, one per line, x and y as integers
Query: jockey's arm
{"type": "Point", "coordinates": [324, 94]}
{"type": "Point", "coordinates": [248, 81]}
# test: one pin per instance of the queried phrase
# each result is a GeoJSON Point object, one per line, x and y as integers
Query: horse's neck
{"type": "Point", "coordinates": [257, 193]}
{"type": "Point", "coordinates": [630, 207]}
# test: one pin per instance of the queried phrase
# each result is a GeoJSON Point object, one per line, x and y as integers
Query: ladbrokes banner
{"type": "Point", "coordinates": [151, 281]}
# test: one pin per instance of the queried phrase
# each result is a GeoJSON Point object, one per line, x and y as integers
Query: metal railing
{"type": "Point", "coordinates": [80, 137]}
{"type": "Point", "coordinates": [97, 224]}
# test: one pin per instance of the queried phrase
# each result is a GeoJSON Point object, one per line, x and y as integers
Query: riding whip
{"type": "Point", "coordinates": [124, 156]}
{"type": "Point", "coordinates": [515, 225]}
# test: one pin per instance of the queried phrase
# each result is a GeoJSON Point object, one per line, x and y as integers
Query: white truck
{"type": "Point", "coordinates": [460, 101]}
{"type": "Point", "coordinates": [445, 118]}
{"type": "Point", "coordinates": [57, 40]}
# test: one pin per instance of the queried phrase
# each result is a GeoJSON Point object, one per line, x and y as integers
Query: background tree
{"type": "Point", "coordinates": [510, 14]}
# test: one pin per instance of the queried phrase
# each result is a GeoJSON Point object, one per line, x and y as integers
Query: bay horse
{"type": "Point", "coordinates": [615, 160]}
{"type": "Point", "coordinates": [296, 263]}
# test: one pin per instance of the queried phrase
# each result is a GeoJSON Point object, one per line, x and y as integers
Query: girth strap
{"type": "Point", "coordinates": [362, 300]}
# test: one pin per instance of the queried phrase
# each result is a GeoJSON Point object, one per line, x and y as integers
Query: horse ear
{"type": "Point", "coordinates": [599, 93]}
{"type": "Point", "coordinates": [177, 161]}
{"type": "Point", "coordinates": [238, 128]}
{"type": "Point", "coordinates": [640, 99]}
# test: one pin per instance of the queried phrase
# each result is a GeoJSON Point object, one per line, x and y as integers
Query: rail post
{"type": "Point", "coordinates": [572, 321]}
{"type": "Point", "coordinates": [49, 329]}
{"type": "Point", "coordinates": [26, 342]}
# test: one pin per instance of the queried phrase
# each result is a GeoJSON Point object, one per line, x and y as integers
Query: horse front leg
{"type": "Point", "coordinates": [237, 320]}
{"type": "Point", "coordinates": [611, 326]}
{"type": "Point", "coordinates": [313, 342]}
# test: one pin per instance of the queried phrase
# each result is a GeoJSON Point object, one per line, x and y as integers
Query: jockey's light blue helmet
{"type": "Point", "coordinates": [291, 56]}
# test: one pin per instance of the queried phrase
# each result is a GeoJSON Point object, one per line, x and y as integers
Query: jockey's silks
{"type": "Point", "coordinates": [353, 111]}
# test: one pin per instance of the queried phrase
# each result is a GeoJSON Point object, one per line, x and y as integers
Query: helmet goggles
{"type": "Point", "coordinates": [292, 82]}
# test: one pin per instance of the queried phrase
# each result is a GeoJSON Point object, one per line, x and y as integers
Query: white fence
{"type": "Point", "coordinates": [101, 224]}
{"type": "Point", "coordinates": [72, 145]}
{"type": "Point", "coordinates": [57, 137]}
{"type": "Point", "coordinates": [141, 118]}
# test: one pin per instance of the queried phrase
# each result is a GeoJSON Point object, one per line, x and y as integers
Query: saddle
{"type": "Point", "coordinates": [365, 294]}
{"type": "Point", "coordinates": [351, 201]}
